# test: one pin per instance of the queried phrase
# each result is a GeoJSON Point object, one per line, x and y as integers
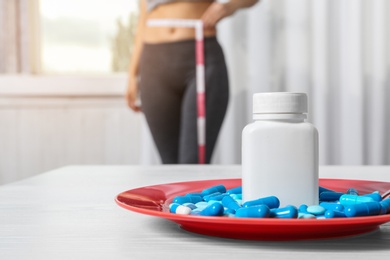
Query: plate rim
{"type": "Point", "coordinates": [379, 219]}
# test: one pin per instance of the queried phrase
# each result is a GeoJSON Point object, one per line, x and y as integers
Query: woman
{"type": "Point", "coordinates": [164, 62]}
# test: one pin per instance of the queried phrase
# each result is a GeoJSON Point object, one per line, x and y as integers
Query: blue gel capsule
{"type": "Point", "coordinates": [215, 209]}
{"type": "Point", "coordinates": [272, 202]}
{"type": "Point", "coordinates": [332, 206]}
{"type": "Point", "coordinates": [363, 209]}
{"type": "Point", "coordinates": [259, 211]}
{"type": "Point", "coordinates": [286, 212]}
{"type": "Point", "coordinates": [352, 191]}
{"type": "Point", "coordinates": [179, 209]}
{"type": "Point", "coordinates": [375, 196]}
{"type": "Point", "coordinates": [236, 190]}
{"type": "Point", "coordinates": [346, 199]}
{"type": "Point", "coordinates": [385, 206]}
{"type": "Point", "coordinates": [334, 214]}
{"type": "Point", "coordinates": [316, 210]}
{"type": "Point", "coordinates": [187, 199]}
{"type": "Point", "coordinates": [214, 189]}
{"type": "Point", "coordinates": [330, 196]}
{"type": "Point", "coordinates": [230, 203]}
{"type": "Point", "coordinates": [303, 209]}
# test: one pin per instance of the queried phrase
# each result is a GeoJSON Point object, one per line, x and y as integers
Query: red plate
{"type": "Point", "coordinates": [155, 200]}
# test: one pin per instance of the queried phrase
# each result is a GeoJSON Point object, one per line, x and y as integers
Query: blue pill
{"type": "Point", "coordinates": [187, 199]}
{"type": "Point", "coordinates": [363, 209]}
{"type": "Point", "coordinates": [286, 212]}
{"type": "Point", "coordinates": [375, 196]}
{"type": "Point", "coordinates": [230, 203]}
{"type": "Point", "coordinates": [332, 206]}
{"type": "Point", "coordinates": [214, 189]}
{"type": "Point", "coordinates": [385, 204]}
{"type": "Point", "coordinates": [334, 214]}
{"type": "Point", "coordinates": [303, 209]}
{"type": "Point", "coordinates": [259, 211]}
{"type": "Point", "coordinates": [330, 196]}
{"type": "Point", "coordinates": [352, 191]}
{"type": "Point", "coordinates": [236, 190]}
{"type": "Point", "coordinates": [271, 201]}
{"type": "Point", "coordinates": [215, 209]}
{"type": "Point", "coordinates": [305, 216]}
{"type": "Point", "coordinates": [346, 199]}
{"type": "Point", "coordinates": [316, 210]}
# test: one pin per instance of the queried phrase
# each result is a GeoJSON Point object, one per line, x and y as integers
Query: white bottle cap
{"type": "Point", "coordinates": [279, 103]}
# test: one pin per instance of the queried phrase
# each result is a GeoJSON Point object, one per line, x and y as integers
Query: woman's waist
{"type": "Point", "coordinates": [176, 13]}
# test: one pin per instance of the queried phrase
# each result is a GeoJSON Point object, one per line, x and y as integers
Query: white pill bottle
{"type": "Point", "coordinates": [280, 150]}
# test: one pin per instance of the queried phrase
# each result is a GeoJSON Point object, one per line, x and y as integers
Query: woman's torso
{"type": "Point", "coordinates": [175, 10]}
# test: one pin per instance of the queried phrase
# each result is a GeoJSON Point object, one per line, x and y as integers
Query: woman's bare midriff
{"type": "Point", "coordinates": [178, 10]}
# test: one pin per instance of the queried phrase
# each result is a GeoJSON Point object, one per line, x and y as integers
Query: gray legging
{"type": "Point", "coordinates": [168, 96]}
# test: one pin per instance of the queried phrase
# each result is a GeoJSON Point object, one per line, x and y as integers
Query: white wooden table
{"type": "Point", "coordinates": [70, 213]}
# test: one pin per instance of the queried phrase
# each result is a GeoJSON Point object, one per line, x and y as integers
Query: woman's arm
{"type": "Point", "coordinates": [219, 10]}
{"type": "Point", "coordinates": [132, 85]}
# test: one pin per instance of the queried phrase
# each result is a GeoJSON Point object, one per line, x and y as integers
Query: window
{"type": "Point", "coordinates": [86, 36]}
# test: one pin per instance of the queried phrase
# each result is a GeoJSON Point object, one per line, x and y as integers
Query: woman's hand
{"type": "Point", "coordinates": [215, 13]}
{"type": "Point", "coordinates": [219, 10]}
{"type": "Point", "coordinates": [132, 94]}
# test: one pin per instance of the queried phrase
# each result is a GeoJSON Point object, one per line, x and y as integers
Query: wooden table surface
{"type": "Point", "coordinates": [70, 213]}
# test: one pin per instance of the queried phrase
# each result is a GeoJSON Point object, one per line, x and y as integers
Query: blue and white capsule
{"type": "Point", "coordinates": [179, 209]}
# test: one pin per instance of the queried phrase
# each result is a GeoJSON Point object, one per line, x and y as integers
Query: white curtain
{"type": "Point", "coordinates": [335, 51]}
{"type": "Point", "coordinates": [14, 36]}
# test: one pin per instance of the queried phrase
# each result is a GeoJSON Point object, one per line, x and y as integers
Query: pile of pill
{"type": "Point", "coordinates": [218, 201]}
